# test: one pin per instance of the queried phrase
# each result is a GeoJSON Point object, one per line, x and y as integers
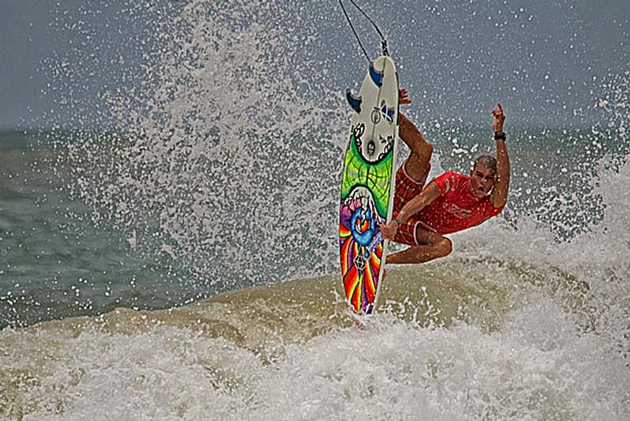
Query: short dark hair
{"type": "Point", "coordinates": [486, 161]}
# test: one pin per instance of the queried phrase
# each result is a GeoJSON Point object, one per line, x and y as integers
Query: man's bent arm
{"type": "Point", "coordinates": [428, 195]}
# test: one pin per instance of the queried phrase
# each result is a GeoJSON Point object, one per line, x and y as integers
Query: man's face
{"type": "Point", "coordinates": [481, 181]}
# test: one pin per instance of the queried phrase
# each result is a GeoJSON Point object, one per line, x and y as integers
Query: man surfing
{"type": "Point", "coordinates": [452, 202]}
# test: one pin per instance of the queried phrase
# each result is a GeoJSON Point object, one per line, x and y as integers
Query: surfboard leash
{"type": "Point", "coordinates": [383, 40]}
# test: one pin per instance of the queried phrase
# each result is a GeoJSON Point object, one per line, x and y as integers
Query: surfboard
{"type": "Point", "coordinates": [368, 184]}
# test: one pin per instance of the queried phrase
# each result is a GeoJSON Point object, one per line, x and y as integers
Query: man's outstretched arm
{"type": "Point", "coordinates": [501, 187]}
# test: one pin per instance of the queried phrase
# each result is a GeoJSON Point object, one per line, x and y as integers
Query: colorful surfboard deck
{"type": "Point", "coordinates": [368, 184]}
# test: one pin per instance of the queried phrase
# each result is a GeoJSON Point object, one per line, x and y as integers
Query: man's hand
{"type": "Point", "coordinates": [389, 230]}
{"type": "Point", "coordinates": [499, 118]}
{"type": "Point", "coordinates": [403, 97]}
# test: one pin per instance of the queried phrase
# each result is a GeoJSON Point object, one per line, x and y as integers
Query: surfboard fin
{"type": "Point", "coordinates": [376, 76]}
{"type": "Point", "coordinates": [354, 101]}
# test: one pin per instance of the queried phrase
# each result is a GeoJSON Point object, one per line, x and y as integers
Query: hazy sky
{"type": "Point", "coordinates": [542, 57]}
{"type": "Point", "coordinates": [545, 59]}
{"type": "Point", "coordinates": [25, 39]}
{"type": "Point", "coordinates": [34, 34]}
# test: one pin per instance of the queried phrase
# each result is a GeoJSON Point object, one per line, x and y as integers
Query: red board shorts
{"type": "Point", "coordinates": [406, 189]}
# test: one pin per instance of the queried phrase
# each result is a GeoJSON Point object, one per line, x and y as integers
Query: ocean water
{"type": "Point", "coordinates": [168, 250]}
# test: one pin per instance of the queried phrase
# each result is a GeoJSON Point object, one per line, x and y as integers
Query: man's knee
{"type": "Point", "coordinates": [445, 247]}
{"type": "Point", "coordinates": [422, 151]}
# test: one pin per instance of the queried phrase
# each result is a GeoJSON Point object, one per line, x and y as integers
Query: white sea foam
{"type": "Point", "coordinates": [538, 366]}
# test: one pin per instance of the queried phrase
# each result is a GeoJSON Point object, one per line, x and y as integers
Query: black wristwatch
{"type": "Point", "coordinates": [500, 135]}
{"type": "Point", "coordinates": [398, 221]}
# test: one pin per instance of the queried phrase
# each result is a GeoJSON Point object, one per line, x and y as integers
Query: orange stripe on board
{"type": "Point", "coordinates": [343, 231]}
{"type": "Point", "coordinates": [350, 282]}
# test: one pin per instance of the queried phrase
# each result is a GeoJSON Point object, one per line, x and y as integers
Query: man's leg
{"type": "Point", "coordinates": [431, 246]}
{"type": "Point", "coordinates": [417, 165]}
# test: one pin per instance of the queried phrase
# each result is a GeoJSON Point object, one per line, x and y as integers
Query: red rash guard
{"type": "Point", "coordinates": [456, 209]}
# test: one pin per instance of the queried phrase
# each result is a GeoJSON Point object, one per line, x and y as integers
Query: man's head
{"type": "Point", "coordinates": [483, 175]}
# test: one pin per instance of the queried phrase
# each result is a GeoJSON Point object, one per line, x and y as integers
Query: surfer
{"type": "Point", "coordinates": [451, 202]}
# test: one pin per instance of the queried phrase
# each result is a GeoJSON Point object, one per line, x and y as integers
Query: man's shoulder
{"type": "Point", "coordinates": [454, 177]}
{"type": "Point", "coordinates": [450, 181]}
{"type": "Point", "coordinates": [453, 174]}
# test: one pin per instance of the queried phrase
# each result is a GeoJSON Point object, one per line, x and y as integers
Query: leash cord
{"type": "Point", "coordinates": [383, 40]}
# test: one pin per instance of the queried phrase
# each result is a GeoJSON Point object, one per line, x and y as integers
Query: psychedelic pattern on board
{"type": "Point", "coordinates": [366, 188]}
